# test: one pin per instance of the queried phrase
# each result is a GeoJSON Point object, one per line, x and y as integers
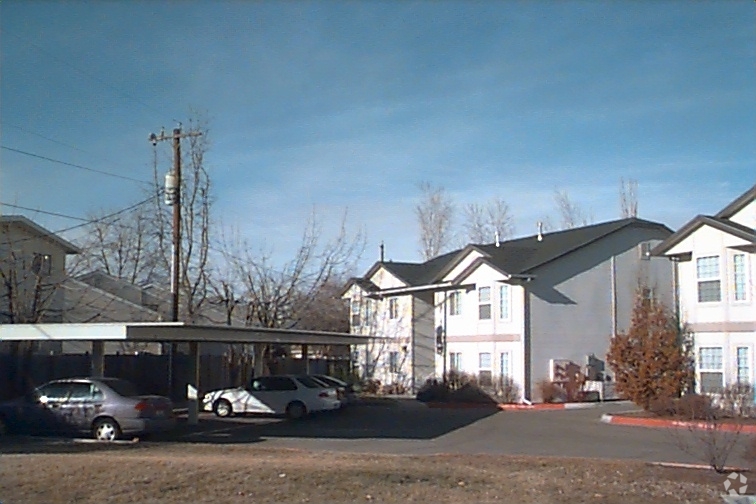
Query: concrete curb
{"type": "Point", "coordinates": [547, 406]}
{"type": "Point", "coordinates": [512, 407]}
{"type": "Point", "coordinates": [672, 424]}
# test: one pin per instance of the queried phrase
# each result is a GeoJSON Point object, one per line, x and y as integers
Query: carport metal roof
{"type": "Point", "coordinates": [168, 332]}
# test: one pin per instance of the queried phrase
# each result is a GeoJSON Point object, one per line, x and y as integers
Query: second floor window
{"type": "Point", "coordinates": [739, 276]}
{"type": "Point", "coordinates": [41, 264]}
{"type": "Point", "coordinates": [709, 283]}
{"type": "Point", "coordinates": [455, 303]}
{"type": "Point", "coordinates": [356, 314]}
{"type": "Point", "coordinates": [393, 308]}
{"type": "Point", "coordinates": [504, 302]}
{"type": "Point", "coordinates": [484, 303]}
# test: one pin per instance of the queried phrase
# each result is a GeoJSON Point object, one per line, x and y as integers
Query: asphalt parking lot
{"type": "Point", "coordinates": [408, 427]}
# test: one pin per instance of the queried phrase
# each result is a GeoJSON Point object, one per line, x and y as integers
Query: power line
{"type": "Point", "coordinates": [55, 214]}
{"type": "Point", "coordinates": [89, 75]}
{"type": "Point", "coordinates": [94, 170]}
{"type": "Point", "coordinates": [30, 132]}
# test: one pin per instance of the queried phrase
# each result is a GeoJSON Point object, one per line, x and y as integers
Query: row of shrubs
{"type": "Point", "coordinates": [735, 401]}
{"type": "Point", "coordinates": [464, 387]}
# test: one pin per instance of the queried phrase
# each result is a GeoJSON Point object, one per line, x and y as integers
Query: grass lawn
{"type": "Point", "coordinates": [199, 473]}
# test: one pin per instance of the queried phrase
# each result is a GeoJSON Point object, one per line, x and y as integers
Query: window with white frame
{"type": "Point", "coordinates": [711, 369]}
{"type": "Point", "coordinates": [368, 312]}
{"type": "Point", "coordinates": [739, 277]}
{"type": "Point", "coordinates": [504, 302]}
{"type": "Point", "coordinates": [41, 264]}
{"type": "Point", "coordinates": [393, 362]}
{"type": "Point", "coordinates": [744, 368]}
{"type": "Point", "coordinates": [484, 303]}
{"type": "Point", "coordinates": [393, 308]}
{"type": "Point", "coordinates": [484, 369]}
{"type": "Point", "coordinates": [356, 306]}
{"type": "Point", "coordinates": [505, 364]}
{"type": "Point", "coordinates": [455, 361]}
{"type": "Point", "coordinates": [455, 303]}
{"type": "Point", "coordinates": [709, 283]}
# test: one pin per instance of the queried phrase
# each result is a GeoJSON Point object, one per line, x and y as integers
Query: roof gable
{"type": "Point", "coordinates": [738, 204]}
{"type": "Point", "coordinates": [667, 247]}
{"type": "Point", "coordinates": [35, 229]}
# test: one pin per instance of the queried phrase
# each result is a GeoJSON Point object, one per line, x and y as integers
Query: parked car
{"type": "Point", "coordinates": [106, 408]}
{"type": "Point", "coordinates": [345, 390]}
{"type": "Point", "coordinates": [292, 395]}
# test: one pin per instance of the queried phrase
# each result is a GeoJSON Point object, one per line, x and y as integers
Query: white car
{"type": "Point", "coordinates": [292, 395]}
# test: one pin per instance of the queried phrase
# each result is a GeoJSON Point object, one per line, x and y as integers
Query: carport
{"type": "Point", "coordinates": [172, 332]}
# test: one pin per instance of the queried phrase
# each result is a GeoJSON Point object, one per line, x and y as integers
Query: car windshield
{"type": "Point", "coordinates": [310, 382]}
{"type": "Point", "coordinates": [122, 388]}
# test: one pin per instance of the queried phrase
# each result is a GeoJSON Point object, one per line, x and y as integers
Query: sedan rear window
{"type": "Point", "coordinates": [309, 382]}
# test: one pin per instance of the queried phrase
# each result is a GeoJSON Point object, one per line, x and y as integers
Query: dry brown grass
{"type": "Point", "coordinates": [185, 473]}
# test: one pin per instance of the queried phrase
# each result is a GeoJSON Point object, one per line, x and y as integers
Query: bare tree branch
{"type": "Point", "coordinates": [570, 213]}
{"type": "Point", "coordinates": [435, 214]}
{"type": "Point", "coordinates": [482, 223]}
{"type": "Point", "coordinates": [628, 198]}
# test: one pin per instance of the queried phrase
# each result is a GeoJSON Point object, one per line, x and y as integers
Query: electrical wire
{"type": "Point", "coordinates": [94, 170]}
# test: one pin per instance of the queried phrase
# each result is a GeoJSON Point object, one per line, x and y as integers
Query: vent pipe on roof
{"type": "Point", "coordinates": [496, 237]}
{"type": "Point", "coordinates": [540, 231]}
{"type": "Point", "coordinates": [383, 249]}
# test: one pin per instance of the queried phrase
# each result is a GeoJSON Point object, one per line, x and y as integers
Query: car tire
{"type": "Point", "coordinates": [296, 410]}
{"type": "Point", "coordinates": [106, 429]}
{"type": "Point", "coordinates": [222, 408]}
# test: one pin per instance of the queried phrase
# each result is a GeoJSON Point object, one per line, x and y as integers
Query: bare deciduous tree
{"type": "Point", "coordinates": [435, 215]}
{"type": "Point", "coordinates": [483, 223]}
{"type": "Point", "coordinates": [287, 296]}
{"type": "Point", "coordinates": [570, 213]}
{"type": "Point", "coordinates": [628, 198]}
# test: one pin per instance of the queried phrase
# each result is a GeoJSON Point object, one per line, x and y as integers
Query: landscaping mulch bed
{"type": "Point", "coordinates": [202, 473]}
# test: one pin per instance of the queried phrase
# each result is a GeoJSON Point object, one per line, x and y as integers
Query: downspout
{"type": "Point", "coordinates": [613, 281]}
{"type": "Point", "coordinates": [527, 393]}
{"type": "Point", "coordinates": [444, 353]}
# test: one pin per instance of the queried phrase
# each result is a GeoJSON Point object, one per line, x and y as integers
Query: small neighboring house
{"type": "Point", "coordinates": [714, 258]}
{"type": "Point", "coordinates": [512, 309]}
{"type": "Point", "coordinates": [32, 270]}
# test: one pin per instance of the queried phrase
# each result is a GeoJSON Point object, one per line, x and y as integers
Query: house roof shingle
{"type": "Point", "coordinates": [516, 257]}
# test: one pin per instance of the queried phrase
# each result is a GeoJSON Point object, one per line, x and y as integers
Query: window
{"type": "Point", "coordinates": [81, 392]}
{"type": "Point", "coordinates": [710, 369]}
{"type": "Point", "coordinates": [645, 251]}
{"type": "Point", "coordinates": [393, 362]}
{"type": "Point", "coordinates": [455, 303]}
{"type": "Point", "coordinates": [355, 313]}
{"type": "Point", "coordinates": [707, 272]}
{"type": "Point", "coordinates": [368, 312]}
{"type": "Point", "coordinates": [484, 303]}
{"type": "Point", "coordinates": [504, 301]}
{"type": "Point", "coordinates": [273, 384]}
{"type": "Point", "coordinates": [393, 308]}
{"type": "Point", "coordinates": [309, 382]}
{"type": "Point", "coordinates": [58, 391]}
{"type": "Point", "coordinates": [739, 276]}
{"type": "Point", "coordinates": [42, 264]}
{"type": "Point", "coordinates": [504, 364]}
{"type": "Point", "coordinates": [484, 372]}
{"type": "Point", "coordinates": [455, 361]}
{"type": "Point", "coordinates": [744, 370]}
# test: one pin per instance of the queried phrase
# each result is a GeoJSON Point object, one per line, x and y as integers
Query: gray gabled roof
{"type": "Point", "coordinates": [738, 204]}
{"type": "Point", "coordinates": [515, 257]}
{"type": "Point", "coordinates": [719, 223]}
{"type": "Point", "coordinates": [38, 230]}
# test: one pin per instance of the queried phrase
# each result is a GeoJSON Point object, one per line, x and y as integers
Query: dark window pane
{"type": "Point", "coordinates": [484, 312]}
{"type": "Point", "coordinates": [81, 391]}
{"type": "Point", "coordinates": [309, 382]}
{"type": "Point", "coordinates": [709, 291]}
{"type": "Point", "coordinates": [278, 383]}
{"type": "Point", "coordinates": [711, 383]}
{"type": "Point", "coordinates": [54, 391]}
{"type": "Point", "coordinates": [484, 379]}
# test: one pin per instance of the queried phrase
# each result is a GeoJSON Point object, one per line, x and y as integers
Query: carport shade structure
{"type": "Point", "coordinates": [170, 332]}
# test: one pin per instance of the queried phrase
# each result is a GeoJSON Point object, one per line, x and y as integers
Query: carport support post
{"type": "Point", "coordinates": [306, 357]}
{"type": "Point", "coordinates": [98, 359]}
{"type": "Point", "coordinates": [192, 388]}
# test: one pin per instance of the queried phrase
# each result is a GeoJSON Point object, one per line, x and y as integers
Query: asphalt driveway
{"type": "Point", "coordinates": [408, 427]}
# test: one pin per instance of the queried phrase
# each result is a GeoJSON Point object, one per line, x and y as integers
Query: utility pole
{"type": "Point", "coordinates": [173, 198]}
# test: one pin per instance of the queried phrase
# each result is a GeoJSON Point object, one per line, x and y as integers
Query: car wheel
{"type": "Point", "coordinates": [106, 429]}
{"type": "Point", "coordinates": [222, 408]}
{"type": "Point", "coordinates": [296, 410]}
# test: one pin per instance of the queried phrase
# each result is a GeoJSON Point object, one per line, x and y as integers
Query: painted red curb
{"type": "Point", "coordinates": [512, 407]}
{"type": "Point", "coordinates": [671, 424]}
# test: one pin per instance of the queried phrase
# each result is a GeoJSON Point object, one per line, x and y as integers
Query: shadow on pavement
{"type": "Point", "coordinates": [376, 419]}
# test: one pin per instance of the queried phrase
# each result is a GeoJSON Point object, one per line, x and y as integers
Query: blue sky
{"type": "Point", "coordinates": [350, 105]}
